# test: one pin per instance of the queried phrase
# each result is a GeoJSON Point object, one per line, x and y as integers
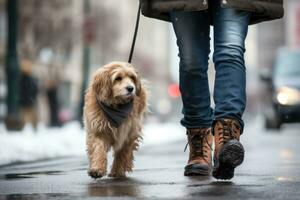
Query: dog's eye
{"type": "Point", "coordinates": [132, 78]}
{"type": "Point", "coordinates": [119, 78]}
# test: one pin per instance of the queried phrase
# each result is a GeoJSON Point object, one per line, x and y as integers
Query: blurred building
{"type": "Point", "coordinates": [280, 33]}
{"type": "Point", "coordinates": [2, 30]}
{"type": "Point", "coordinates": [50, 36]}
{"type": "Point", "coordinates": [292, 24]}
{"type": "Point", "coordinates": [2, 54]}
{"type": "Point", "coordinates": [52, 33]}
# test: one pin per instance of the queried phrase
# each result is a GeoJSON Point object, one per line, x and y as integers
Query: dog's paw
{"type": "Point", "coordinates": [96, 173]}
{"type": "Point", "coordinates": [117, 174]}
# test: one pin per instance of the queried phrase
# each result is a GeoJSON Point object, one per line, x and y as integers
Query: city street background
{"type": "Point", "coordinates": [58, 44]}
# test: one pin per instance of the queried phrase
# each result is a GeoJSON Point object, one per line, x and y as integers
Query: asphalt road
{"type": "Point", "coordinates": [271, 170]}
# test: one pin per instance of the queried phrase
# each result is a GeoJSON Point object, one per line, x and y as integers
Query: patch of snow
{"type": "Point", "coordinates": [28, 145]}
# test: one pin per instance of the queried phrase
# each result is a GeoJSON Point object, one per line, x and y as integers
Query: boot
{"type": "Point", "coordinates": [200, 156]}
{"type": "Point", "coordinates": [229, 152]}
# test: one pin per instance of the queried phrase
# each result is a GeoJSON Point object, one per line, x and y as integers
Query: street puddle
{"type": "Point", "coordinates": [14, 176]}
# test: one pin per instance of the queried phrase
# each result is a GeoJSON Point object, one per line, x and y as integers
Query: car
{"type": "Point", "coordinates": [284, 85]}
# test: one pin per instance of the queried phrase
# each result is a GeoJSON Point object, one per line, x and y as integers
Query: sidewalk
{"type": "Point", "coordinates": [271, 171]}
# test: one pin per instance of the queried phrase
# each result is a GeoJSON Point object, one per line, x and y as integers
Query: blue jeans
{"type": "Point", "coordinates": [192, 30]}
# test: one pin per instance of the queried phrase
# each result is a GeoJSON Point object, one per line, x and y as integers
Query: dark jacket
{"type": "Point", "coordinates": [262, 10]}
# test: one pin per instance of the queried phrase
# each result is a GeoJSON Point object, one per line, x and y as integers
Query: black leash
{"type": "Point", "coordinates": [135, 33]}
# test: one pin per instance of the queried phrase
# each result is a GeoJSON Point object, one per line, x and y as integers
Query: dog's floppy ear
{"type": "Point", "coordinates": [138, 85]}
{"type": "Point", "coordinates": [102, 85]}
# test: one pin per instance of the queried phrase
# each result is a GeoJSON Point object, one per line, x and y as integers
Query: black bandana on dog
{"type": "Point", "coordinates": [116, 116]}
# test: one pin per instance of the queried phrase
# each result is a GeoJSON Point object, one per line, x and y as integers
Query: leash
{"type": "Point", "coordinates": [135, 34]}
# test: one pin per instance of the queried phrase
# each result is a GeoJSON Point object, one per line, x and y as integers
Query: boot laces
{"type": "Point", "coordinates": [228, 132]}
{"type": "Point", "coordinates": [198, 141]}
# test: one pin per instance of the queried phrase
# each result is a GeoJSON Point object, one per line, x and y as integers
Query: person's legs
{"type": "Point", "coordinates": [230, 31]}
{"type": "Point", "coordinates": [192, 32]}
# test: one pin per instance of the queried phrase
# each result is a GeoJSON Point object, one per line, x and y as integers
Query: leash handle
{"type": "Point", "coordinates": [135, 34]}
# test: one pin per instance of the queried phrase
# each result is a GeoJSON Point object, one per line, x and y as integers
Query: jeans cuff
{"type": "Point", "coordinates": [195, 125]}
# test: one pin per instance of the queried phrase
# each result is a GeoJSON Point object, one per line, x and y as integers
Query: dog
{"type": "Point", "coordinates": [114, 108]}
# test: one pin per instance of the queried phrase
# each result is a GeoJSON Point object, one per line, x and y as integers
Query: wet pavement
{"type": "Point", "coordinates": [271, 170]}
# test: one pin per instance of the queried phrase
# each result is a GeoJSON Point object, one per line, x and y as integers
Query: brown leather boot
{"type": "Point", "coordinates": [200, 156]}
{"type": "Point", "coordinates": [229, 152]}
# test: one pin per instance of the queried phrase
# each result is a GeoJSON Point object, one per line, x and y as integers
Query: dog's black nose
{"type": "Point", "coordinates": [129, 88]}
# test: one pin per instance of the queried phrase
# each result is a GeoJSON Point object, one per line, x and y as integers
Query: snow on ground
{"type": "Point", "coordinates": [45, 143]}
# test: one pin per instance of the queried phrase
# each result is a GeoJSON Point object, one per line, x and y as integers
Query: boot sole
{"type": "Point", "coordinates": [231, 156]}
{"type": "Point", "coordinates": [193, 171]}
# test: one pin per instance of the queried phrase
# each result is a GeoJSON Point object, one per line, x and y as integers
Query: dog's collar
{"type": "Point", "coordinates": [116, 115]}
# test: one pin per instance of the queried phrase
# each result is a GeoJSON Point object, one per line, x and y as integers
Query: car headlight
{"type": "Point", "coordinates": [288, 96]}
